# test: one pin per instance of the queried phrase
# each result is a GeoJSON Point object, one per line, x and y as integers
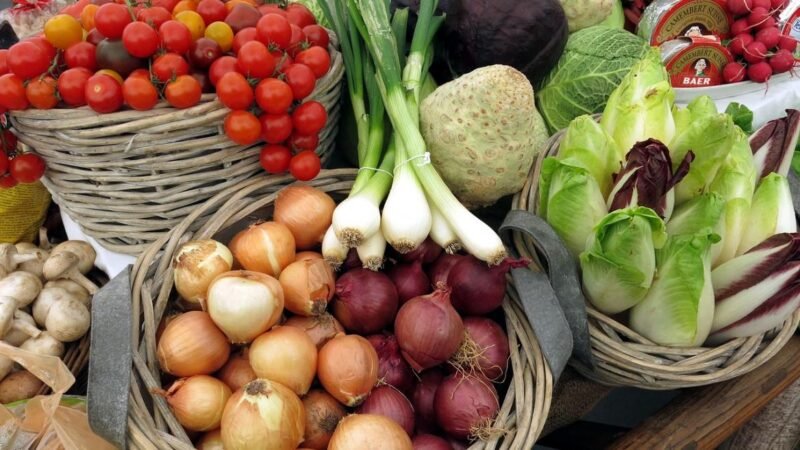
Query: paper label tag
{"type": "Point", "coordinates": [697, 63]}
{"type": "Point", "coordinates": [692, 18]}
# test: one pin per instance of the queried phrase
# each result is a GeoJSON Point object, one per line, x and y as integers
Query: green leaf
{"type": "Point", "coordinates": [772, 212]}
{"type": "Point", "coordinates": [742, 116]}
{"type": "Point", "coordinates": [585, 144]}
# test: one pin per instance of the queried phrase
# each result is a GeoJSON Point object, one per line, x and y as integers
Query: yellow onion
{"type": "Point", "coordinates": [285, 355]}
{"type": "Point", "coordinates": [306, 211]}
{"type": "Point", "coordinates": [198, 402]}
{"type": "Point", "coordinates": [192, 345]}
{"type": "Point", "coordinates": [244, 304]}
{"type": "Point", "coordinates": [237, 371]}
{"type": "Point", "coordinates": [266, 247]}
{"type": "Point", "coordinates": [320, 329]}
{"type": "Point", "coordinates": [323, 414]}
{"type": "Point", "coordinates": [211, 441]}
{"type": "Point", "coordinates": [347, 367]}
{"type": "Point", "coordinates": [263, 415]}
{"type": "Point", "coordinates": [370, 431]}
{"type": "Point", "coordinates": [196, 264]}
{"type": "Point", "coordinates": [306, 255]}
{"type": "Point", "coordinates": [307, 286]}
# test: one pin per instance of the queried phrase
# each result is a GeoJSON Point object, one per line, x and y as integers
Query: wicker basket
{"type": "Point", "coordinates": [130, 176]}
{"type": "Point", "coordinates": [626, 358]}
{"type": "Point", "coordinates": [151, 425]}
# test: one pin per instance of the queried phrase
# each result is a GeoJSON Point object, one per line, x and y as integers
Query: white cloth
{"type": "Point", "coordinates": [109, 262]}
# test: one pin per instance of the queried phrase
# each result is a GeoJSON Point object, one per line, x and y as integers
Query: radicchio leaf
{"type": "Point", "coordinates": [773, 144]}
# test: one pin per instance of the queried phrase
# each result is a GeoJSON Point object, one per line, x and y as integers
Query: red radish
{"type": "Point", "coordinates": [757, 16]}
{"type": "Point", "coordinates": [766, 4]}
{"type": "Point", "coordinates": [769, 37]}
{"type": "Point", "coordinates": [738, 43]}
{"type": "Point", "coordinates": [755, 52]}
{"type": "Point", "coordinates": [759, 72]}
{"type": "Point", "coordinates": [787, 43]}
{"type": "Point", "coordinates": [769, 22]}
{"type": "Point", "coordinates": [740, 7]}
{"type": "Point", "coordinates": [777, 4]}
{"type": "Point", "coordinates": [781, 61]}
{"type": "Point", "coordinates": [740, 26]}
{"type": "Point", "coordinates": [733, 72]}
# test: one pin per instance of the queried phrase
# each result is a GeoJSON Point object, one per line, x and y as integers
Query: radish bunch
{"type": "Point", "coordinates": [758, 45]}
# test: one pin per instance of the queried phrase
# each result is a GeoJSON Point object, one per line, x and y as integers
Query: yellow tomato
{"type": "Point", "coordinates": [63, 31]}
{"type": "Point", "coordinates": [184, 5]}
{"type": "Point", "coordinates": [113, 74]}
{"type": "Point", "coordinates": [87, 16]}
{"type": "Point", "coordinates": [230, 4]}
{"type": "Point", "coordinates": [222, 34]}
{"type": "Point", "coordinates": [193, 21]}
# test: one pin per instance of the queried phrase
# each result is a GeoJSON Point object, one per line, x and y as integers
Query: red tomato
{"type": "Point", "coordinates": [8, 141]}
{"type": "Point", "coordinates": [274, 29]}
{"type": "Point", "coordinates": [234, 91]}
{"type": "Point", "coordinates": [299, 15]}
{"type": "Point", "coordinates": [184, 92]}
{"type": "Point", "coordinates": [7, 182]}
{"type": "Point", "coordinates": [220, 67]}
{"type": "Point", "coordinates": [140, 39]}
{"type": "Point", "coordinates": [271, 9]}
{"type": "Point", "coordinates": [12, 92]}
{"type": "Point", "coordinates": [297, 41]}
{"type": "Point", "coordinates": [300, 142]}
{"type": "Point", "coordinates": [139, 93]}
{"type": "Point", "coordinates": [140, 73]}
{"type": "Point", "coordinates": [4, 163]}
{"type": "Point", "coordinates": [154, 16]}
{"type": "Point", "coordinates": [205, 83]}
{"type": "Point", "coordinates": [94, 37]}
{"type": "Point", "coordinates": [244, 36]}
{"type": "Point", "coordinates": [103, 93]}
{"type": "Point", "coordinates": [75, 9]}
{"type": "Point", "coordinates": [41, 92]}
{"type": "Point", "coordinates": [169, 65]}
{"type": "Point", "coordinates": [309, 117]}
{"type": "Point", "coordinates": [27, 168]}
{"type": "Point", "coordinates": [204, 52]}
{"type": "Point", "coordinates": [27, 59]}
{"type": "Point", "coordinates": [275, 128]}
{"type": "Point", "coordinates": [212, 11]}
{"type": "Point", "coordinates": [273, 96]}
{"type": "Point", "coordinates": [301, 79]}
{"type": "Point", "coordinates": [317, 35]}
{"type": "Point", "coordinates": [254, 60]}
{"type": "Point", "coordinates": [81, 54]}
{"type": "Point", "coordinates": [305, 165]}
{"type": "Point", "coordinates": [111, 20]}
{"type": "Point", "coordinates": [45, 45]}
{"type": "Point", "coordinates": [242, 127]}
{"type": "Point", "coordinates": [317, 59]}
{"type": "Point", "coordinates": [175, 37]}
{"type": "Point", "coordinates": [283, 59]}
{"type": "Point", "coordinates": [3, 61]}
{"type": "Point", "coordinates": [72, 86]}
{"type": "Point", "coordinates": [169, 5]}
{"type": "Point", "coordinates": [275, 158]}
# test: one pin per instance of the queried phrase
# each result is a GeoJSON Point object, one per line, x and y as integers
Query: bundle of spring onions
{"type": "Point", "coordinates": [394, 164]}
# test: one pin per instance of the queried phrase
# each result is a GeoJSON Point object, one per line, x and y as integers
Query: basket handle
{"type": "Point", "coordinates": [564, 283]}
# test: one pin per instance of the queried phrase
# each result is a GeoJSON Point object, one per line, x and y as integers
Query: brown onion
{"type": "Point", "coordinates": [244, 304]}
{"type": "Point", "coordinates": [306, 211]}
{"type": "Point", "coordinates": [237, 372]}
{"type": "Point", "coordinates": [198, 401]}
{"type": "Point", "coordinates": [266, 247]}
{"type": "Point", "coordinates": [320, 329]}
{"type": "Point", "coordinates": [426, 252]}
{"type": "Point", "coordinates": [323, 414]}
{"type": "Point", "coordinates": [211, 441]}
{"type": "Point", "coordinates": [428, 330]}
{"type": "Point", "coordinates": [392, 368]}
{"type": "Point", "coordinates": [430, 442]}
{"type": "Point", "coordinates": [424, 394]}
{"type": "Point", "coordinates": [306, 255]}
{"type": "Point", "coordinates": [369, 431]}
{"type": "Point", "coordinates": [477, 288]}
{"type": "Point", "coordinates": [285, 355]}
{"type": "Point", "coordinates": [307, 286]}
{"type": "Point", "coordinates": [192, 345]}
{"type": "Point", "coordinates": [263, 414]}
{"type": "Point", "coordinates": [440, 269]}
{"type": "Point", "coordinates": [466, 405]}
{"type": "Point", "coordinates": [366, 301]}
{"type": "Point", "coordinates": [485, 348]}
{"type": "Point", "coordinates": [196, 264]}
{"type": "Point", "coordinates": [410, 280]}
{"type": "Point", "coordinates": [348, 368]}
{"type": "Point", "coordinates": [389, 402]}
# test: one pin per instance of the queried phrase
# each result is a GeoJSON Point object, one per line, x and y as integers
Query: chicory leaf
{"type": "Point", "coordinates": [585, 144]}
{"type": "Point", "coordinates": [774, 143]}
{"type": "Point", "coordinates": [742, 116]}
{"type": "Point", "coordinates": [772, 212]}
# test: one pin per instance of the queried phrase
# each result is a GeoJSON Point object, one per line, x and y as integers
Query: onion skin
{"type": "Point", "coordinates": [347, 367]}
{"type": "Point", "coordinates": [425, 253]}
{"type": "Point", "coordinates": [323, 414]}
{"type": "Point", "coordinates": [440, 269]}
{"type": "Point", "coordinates": [307, 285]}
{"type": "Point", "coordinates": [392, 368]}
{"type": "Point", "coordinates": [490, 344]}
{"type": "Point", "coordinates": [457, 445]}
{"type": "Point", "coordinates": [478, 289]}
{"type": "Point", "coordinates": [236, 372]}
{"type": "Point", "coordinates": [244, 304]}
{"type": "Point", "coordinates": [198, 401]}
{"type": "Point", "coordinates": [465, 405]}
{"type": "Point", "coordinates": [366, 301]}
{"type": "Point", "coordinates": [192, 345]}
{"type": "Point", "coordinates": [430, 442]}
{"type": "Point", "coordinates": [211, 441]}
{"type": "Point", "coordinates": [369, 431]}
{"type": "Point", "coordinates": [196, 264]}
{"type": "Point", "coordinates": [389, 402]}
{"type": "Point", "coordinates": [281, 428]}
{"type": "Point", "coordinates": [285, 355]}
{"type": "Point", "coordinates": [306, 211]}
{"type": "Point", "coordinates": [428, 330]}
{"type": "Point", "coordinates": [423, 396]}
{"type": "Point", "coordinates": [320, 329]}
{"type": "Point", "coordinates": [266, 247]}
{"type": "Point", "coordinates": [410, 280]}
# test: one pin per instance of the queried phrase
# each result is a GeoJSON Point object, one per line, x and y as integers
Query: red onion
{"type": "Point", "coordinates": [440, 268]}
{"type": "Point", "coordinates": [425, 253]}
{"type": "Point", "coordinates": [410, 280]}
{"type": "Point", "coordinates": [389, 402]}
{"type": "Point", "coordinates": [428, 330]}
{"type": "Point", "coordinates": [366, 301]}
{"type": "Point", "coordinates": [423, 395]}
{"type": "Point", "coordinates": [477, 288]}
{"type": "Point", "coordinates": [456, 444]}
{"type": "Point", "coordinates": [430, 442]}
{"type": "Point", "coordinates": [392, 368]}
{"type": "Point", "coordinates": [352, 261]}
{"type": "Point", "coordinates": [485, 348]}
{"type": "Point", "coordinates": [466, 405]}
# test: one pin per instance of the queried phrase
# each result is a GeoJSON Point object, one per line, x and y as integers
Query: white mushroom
{"type": "Point", "coordinates": [82, 249]}
{"type": "Point", "coordinates": [9, 258]}
{"type": "Point", "coordinates": [9, 319]}
{"type": "Point", "coordinates": [44, 344]}
{"type": "Point", "coordinates": [17, 336]}
{"type": "Point", "coordinates": [22, 286]}
{"type": "Point", "coordinates": [47, 298]}
{"type": "Point", "coordinates": [68, 320]}
{"type": "Point", "coordinates": [65, 265]}
{"type": "Point", "coordinates": [80, 294]}
{"type": "Point", "coordinates": [33, 266]}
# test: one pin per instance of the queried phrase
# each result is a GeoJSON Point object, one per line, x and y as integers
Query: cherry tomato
{"type": "Point", "coordinates": [275, 128]}
{"type": "Point", "coordinates": [12, 92]}
{"type": "Point", "coordinates": [275, 158]}
{"type": "Point", "coordinates": [297, 42]}
{"type": "Point", "coordinates": [274, 30]}
{"type": "Point", "coordinates": [103, 93]}
{"type": "Point", "coordinates": [8, 141]}
{"type": "Point", "coordinates": [305, 165]}
{"type": "Point", "coordinates": [140, 73]}
{"type": "Point", "coordinates": [154, 16]}
{"type": "Point", "coordinates": [184, 92]}
{"type": "Point", "coordinates": [71, 86]}
{"type": "Point", "coordinates": [112, 73]}
{"type": "Point", "coordinates": [7, 181]}
{"type": "Point", "coordinates": [212, 11]}
{"type": "Point", "coordinates": [273, 96]}
{"type": "Point", "coordinates": [309, 117]}
{"type": "Point", "coordinates": [27, 59]}
{"type": "Point", "coordinates": [111, 19]}
{"type": "Point", "coordinates": [41, 92]}
{"type": "Point", "coordinates": [301, 79]}
{"type": "Point", "coordinates": [175, 37]}
{"type": "Point", "coordinates": [254, 60]}
{"type": "Point", "coordinates": [244, 36]}
{"type": "Point", "coordinates": [75, 9]}
{"type": "Point", "coordinates": [299, 15]}
{"type": "Point", "coordinates": [45, 45]}
{"type": "Point", "coordinates": [4, 163]}
{"type": "Point", "coordinates": [63, 31]}
{"type": "Point", "coordinates": [205, 82]}
{"type": "Point", "coordinates": [316, 58]}
{"type": "Point", "coordinates": [204, 51]}
{"type": "Point", "coordinates": [242, 127]}
{"type": "Point", "coordinates": [87, 16]}
{"type": "Point", "coordinates": [184, 5]}
{"type": "Point", "coordinates": [193, 22]}
{"type": "Point", "coordinates": [169, 5]}
{"type": "Point", "coordinates": [220, 67]}
{"type": "Point", "coordinates": [140, 39]}
{"type": "Point", "coordinates": [221, 33]}
{"type": "Point", "coordinates": [268, 8]}
{"type": "Point", "coordinates": [95, 37]}
{"type": "Point", "coordinates": [300, 142]}
{"type": "Point", "coordinates": [3, 61]}
{"type": "Point", "coordinates": [27, 168]}
{"type": "Point", "coordinates": [139, 93]}
{"type": "Point", "coordinates": [234, 91]}
{"type": "Point", "coordinates": [283, 59]}
{"type": "Point", "coordinates": [317, 35]}
{"type": "Point", "coordinates": [81, 54]}
{"type": "Point", "coordinates": [169, 65]}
